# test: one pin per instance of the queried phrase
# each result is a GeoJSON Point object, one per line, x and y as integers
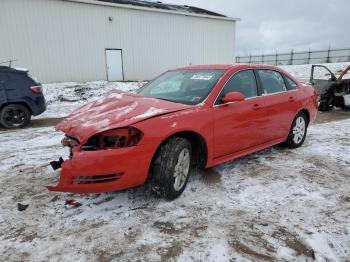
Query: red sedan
{"type": "Point", "coordinates": [192, 116]}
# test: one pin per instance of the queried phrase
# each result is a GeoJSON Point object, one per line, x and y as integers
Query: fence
{"type": "Point", "coordinates": [298, 58]}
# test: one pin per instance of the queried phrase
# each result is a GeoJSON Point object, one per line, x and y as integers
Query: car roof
{"type": "Point", "coordinates": [224, 67]}
{"type": "Point", "coordinates": [11, 69]}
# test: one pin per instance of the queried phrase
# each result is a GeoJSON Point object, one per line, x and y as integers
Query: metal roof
{"type": "Point", "coordinates": [158, 7]}
{"type": "Point", "coordinates": [164, 6]}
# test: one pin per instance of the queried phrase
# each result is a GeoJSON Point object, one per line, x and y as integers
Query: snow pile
{"type": "Point", "coordinates": [303, 72]}
{"type": "Point", "coordinates": [63, 98]}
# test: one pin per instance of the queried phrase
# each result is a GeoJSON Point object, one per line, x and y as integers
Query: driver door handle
{"type": "Point", "coordinates": [256, 106]}
{"type": "Point", "coordinates": [291, 99]}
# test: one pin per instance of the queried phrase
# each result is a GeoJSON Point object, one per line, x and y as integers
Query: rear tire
{"type": "Point", "coordinates": [14, 116]}
{"type": "Point", "coordinates": [171, 168]}
{"type": "Point", "coordinates": [297, 133]}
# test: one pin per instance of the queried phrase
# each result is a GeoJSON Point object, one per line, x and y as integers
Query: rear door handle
{"type": "Point", "coordinates": [291, 99]}
{"type": "Point", "coordinates": [256, 106]}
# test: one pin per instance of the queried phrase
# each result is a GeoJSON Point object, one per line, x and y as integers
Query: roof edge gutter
{"type": "Point", "coordinates": [92, 2]}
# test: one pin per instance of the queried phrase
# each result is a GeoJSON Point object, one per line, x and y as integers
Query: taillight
{"type": "Point", "coordinates": [36, 89]}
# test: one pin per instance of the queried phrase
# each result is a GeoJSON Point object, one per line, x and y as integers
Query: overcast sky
{"type": "Point", "coordinates": [270, 25]}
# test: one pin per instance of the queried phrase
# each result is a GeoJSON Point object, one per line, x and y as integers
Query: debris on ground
{"type": "Point", "coordinates": [22, 207]}
{"type": "Point", "coordinates": [73, 203]}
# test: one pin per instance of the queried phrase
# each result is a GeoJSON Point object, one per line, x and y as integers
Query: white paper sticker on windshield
{"type": "Point", "coordinates": [202, 77]}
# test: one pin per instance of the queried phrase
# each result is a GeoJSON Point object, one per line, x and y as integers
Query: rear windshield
{"type": "Point", "coordinates": [183, 86]}
{"type": "Point", "coordinates": [33, 78]}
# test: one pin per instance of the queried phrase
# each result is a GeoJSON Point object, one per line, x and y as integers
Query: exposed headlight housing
{"type": "Point", "coordinates": [113, 139]}
{"type": "Point", "coordinates": [70, 141]}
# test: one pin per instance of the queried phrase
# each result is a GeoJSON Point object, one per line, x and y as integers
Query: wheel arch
{"type": "Point", "coordinates": [198, 143]}
{"type": "Point", "coordinates": [23, 103]}
{"type": "Point", "coordinates": [307, 113]}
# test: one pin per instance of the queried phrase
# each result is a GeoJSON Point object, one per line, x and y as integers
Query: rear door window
{"type": "Point", "coordinates": [272, 81]}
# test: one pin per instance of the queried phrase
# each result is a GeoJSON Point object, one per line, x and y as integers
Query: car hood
{"type": "Point", "coordinates": [116, 109]}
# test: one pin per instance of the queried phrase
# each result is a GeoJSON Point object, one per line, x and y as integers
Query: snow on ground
{"type": "Point", "coordinates": [278, 204]}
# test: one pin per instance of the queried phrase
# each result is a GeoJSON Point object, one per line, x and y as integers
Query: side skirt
{"type": "Point", "coordinates": [244, 152]}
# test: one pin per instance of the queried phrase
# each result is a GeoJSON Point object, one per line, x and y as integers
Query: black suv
{"type": "Point", "coordinates": [20, 97]}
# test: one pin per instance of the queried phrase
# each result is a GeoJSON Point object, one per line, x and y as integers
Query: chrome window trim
{"type": "Point", "coordinates": [229, 103]}
{"type": "Point", "coordinates": [277, 93]}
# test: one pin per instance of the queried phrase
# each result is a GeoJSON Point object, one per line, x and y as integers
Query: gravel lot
{"type": "Point", "coordinates": [278, 204]}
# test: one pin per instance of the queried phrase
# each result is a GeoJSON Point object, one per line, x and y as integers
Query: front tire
{"type": "Point", "coordinates": [297, 133]}
{"type": "Point", "coordinates": [14, 116]}
{"type": "Point", "coordinates": [171, 168]}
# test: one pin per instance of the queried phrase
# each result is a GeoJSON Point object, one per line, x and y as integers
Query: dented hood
{"type": "Point", "coordinates": [116, 109]}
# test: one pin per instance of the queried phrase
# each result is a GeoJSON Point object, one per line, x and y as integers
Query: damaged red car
{"type": "Point", "coordinates": [196, 116]}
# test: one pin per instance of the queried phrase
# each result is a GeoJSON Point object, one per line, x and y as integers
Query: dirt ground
{"type": "Point", "coordinates": [275, 205]}
{"type": "Point", "coordinates": [331, 116]}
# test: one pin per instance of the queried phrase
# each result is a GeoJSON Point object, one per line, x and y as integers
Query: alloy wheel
{"type": "Point", "coordinates": [182, 169]}
{"type": "Point", "coordinates": [299, 130]}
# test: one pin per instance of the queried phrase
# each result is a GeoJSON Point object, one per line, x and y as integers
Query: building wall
{"type": "Point", "coordinates": [66, 41]}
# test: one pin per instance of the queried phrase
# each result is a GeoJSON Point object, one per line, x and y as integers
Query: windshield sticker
{"type": "Point", "coordinates": [202, 77]}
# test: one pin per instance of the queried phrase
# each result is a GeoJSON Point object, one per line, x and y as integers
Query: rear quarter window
{"type": "Point", "coordinates": [291, 85]}
{"type": "Point", "coordinates": [18, 80]}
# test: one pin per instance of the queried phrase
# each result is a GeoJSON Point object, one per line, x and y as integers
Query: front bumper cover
{"type": "Point", "coordinates": [103, 170]}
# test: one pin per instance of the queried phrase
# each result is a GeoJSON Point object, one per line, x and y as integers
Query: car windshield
{"type": "Point", "coordinates": [183, 86]}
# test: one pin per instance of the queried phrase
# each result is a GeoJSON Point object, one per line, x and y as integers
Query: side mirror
{"type": "Point", "coordinates": [233, 97]}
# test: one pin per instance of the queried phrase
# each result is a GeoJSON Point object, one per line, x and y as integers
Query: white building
{"type": "Point", "coordinates": [85, 40]}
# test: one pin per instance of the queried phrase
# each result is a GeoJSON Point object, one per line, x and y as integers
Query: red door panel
{"type": "Point", "coordinates": [280, 104]}
{"type": "Point", "coordinates": [281, 109]}
{"type": "Point", "coordinates": [239, 126]}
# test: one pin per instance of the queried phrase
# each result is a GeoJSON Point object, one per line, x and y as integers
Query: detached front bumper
{"type": "Point", "coordinates": [104, 170]}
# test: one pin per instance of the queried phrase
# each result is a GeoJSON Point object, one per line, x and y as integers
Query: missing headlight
{"type": "Point", "coordinates": [112, 139]}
